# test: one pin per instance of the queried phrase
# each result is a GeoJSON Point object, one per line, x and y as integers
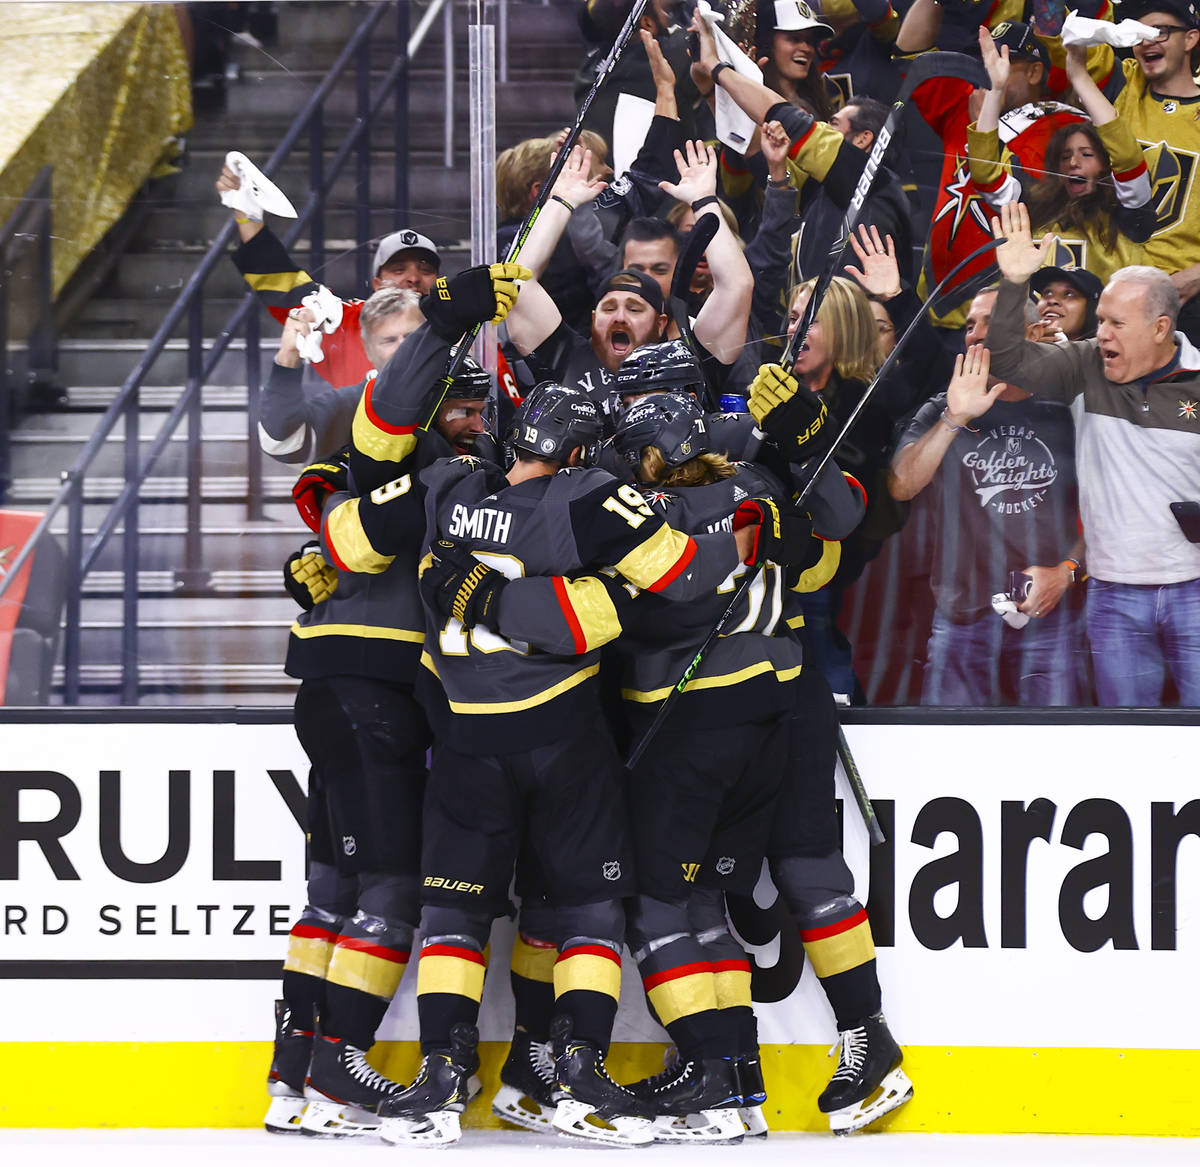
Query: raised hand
{"type": "Point", "coordinates": [968, 395]}
{"type": "Point", "coordinates": [697, 173]}
{"type": "Point", "coordinates": [995, 60]}
{"type": "Point", "coordinates": [775, 145]}
{"type": "Point", "coordinates": [574, 182]}
{"type": "Point", "coordinates": [1019, 257]}
{"type": "Point", "coordinates": [702, 69]}
{"type": "Point", "coordinates": [660, 67]}
{"type": "Point", "coordinates": [880, 273]}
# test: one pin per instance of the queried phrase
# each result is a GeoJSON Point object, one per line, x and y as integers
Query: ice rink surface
{"type": "Point", "coordinates": [185, 1148]}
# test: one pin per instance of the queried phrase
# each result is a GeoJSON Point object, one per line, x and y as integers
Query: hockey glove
{"type": "Point", "coordinates": [308, 578]}
{"type": "Point", "coordinates": [479, 295]}
{"type": "Point", "coordinates": [771, 387]}
{"type": "Point", "coordinates": [783, 537]}
{"type": "Point", "coordinates": [457, 584]}
{"type": "Point", "coordinates": [316, 483]}
{"type": "Point", "coordinates": [801, 427]}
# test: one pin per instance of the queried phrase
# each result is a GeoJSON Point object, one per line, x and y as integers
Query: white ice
{"type": "Point", "coordinates": [232, 1148]}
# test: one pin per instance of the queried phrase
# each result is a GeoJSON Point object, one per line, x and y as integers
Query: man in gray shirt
{"type": "Point", "coordinates": [1134, 392]}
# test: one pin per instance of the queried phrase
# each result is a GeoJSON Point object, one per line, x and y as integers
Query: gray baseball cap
{"type": "Point", "coordinates": [405, 240]}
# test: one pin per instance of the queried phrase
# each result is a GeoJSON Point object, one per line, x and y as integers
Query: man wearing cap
{"type": "Point", "coordinates": [1066, 302]}
{"type": "Point", "coordinates": [631, 311]}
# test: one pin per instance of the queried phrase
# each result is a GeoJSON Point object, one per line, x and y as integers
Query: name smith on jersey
{"type": "Point", "coordinates": [484, 523]}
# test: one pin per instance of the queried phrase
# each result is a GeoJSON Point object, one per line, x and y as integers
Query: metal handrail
{"type": "Point", "coordinates": [201, 363]}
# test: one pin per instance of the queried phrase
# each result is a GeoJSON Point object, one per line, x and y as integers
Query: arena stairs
{"type": "Point", "coordinates": [226, 645]}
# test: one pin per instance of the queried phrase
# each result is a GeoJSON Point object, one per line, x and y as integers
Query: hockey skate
{"type": "Point", "coordinates": [753, 1091]}
{"type": "Point", "coordinates": [428, 1112]}
{"type": "Point", "coordinates": [343, 1091]}
{"type": "Point", "coordinates": [695, 1101]}
{"type": "Point", "coordinates": [592, 1106]}
{"type": "Point", "coordinates": [289, 1066]}
{"type": "Point", "coordinates": [868, 1082]}
{"type": "Point", "coordinates": [526, 1094]}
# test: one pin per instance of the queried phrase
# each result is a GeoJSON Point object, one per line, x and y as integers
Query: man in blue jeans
{"type": "Point", "coordinates": [1135, 394]}
{"type": "Point", "coordinates": [1004, 500]}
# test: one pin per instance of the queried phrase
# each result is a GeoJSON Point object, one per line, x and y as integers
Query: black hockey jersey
{"type": "Point", "coordinates": [503, 695]}
{"type": "Point", "coordinates": [745, 674]}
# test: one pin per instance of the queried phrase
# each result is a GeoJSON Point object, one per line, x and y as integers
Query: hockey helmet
{"type": "Point", "coordinates": [554, 420]}
{"type": "Point", "coordinates": [669, 366]}
{"type": "Point", "coordinates": [471, 382]}
{"type": "Point", "coordinates": [673, 423]}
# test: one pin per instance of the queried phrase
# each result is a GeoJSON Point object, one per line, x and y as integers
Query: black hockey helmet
{"type": "Point", "coordinates": [471, 382]}
{"type": "Point", "coordinates": [673, 423]}
{"type": "Point", "coordinates": [554, 420]}
{"type": "Point", "coordinates": [656, 368]}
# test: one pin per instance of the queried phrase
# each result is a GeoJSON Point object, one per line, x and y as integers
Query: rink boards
{"type": "Point", "coordinates": [1036, 912]}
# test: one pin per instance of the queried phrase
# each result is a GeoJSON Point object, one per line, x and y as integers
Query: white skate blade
{"type": "Point", "coordinates": [708, 1126]}
{"type": "Point", "coordinates": [257, 193]}
{"type": "Point", "coordinates": [893, 1091]}
{"type": "Point", "coordinates": [284, 1114]}
{"type": "Point", "coordinates": [521, 1110]}
{"type": "Point", "coordinates": [754, 1121]}
{"type": "Point", "coordinates": [579, 1121]}
{"type": "Point", "coordinates": [439, 1128]}
{"type": "Point", "coordinates": [324, 1118]}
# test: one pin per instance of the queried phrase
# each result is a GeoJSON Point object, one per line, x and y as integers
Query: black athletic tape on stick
{"type": "Point", "coordinates": [924, 67]}
{"type": "Point", "coordinates": [874, 830]}
{"type": "Point", "coordinates": [750, 576]}
{"type": "Point", "coordinates": [560, 160]}
{"type": "Point", "coordinates": [700, 236]}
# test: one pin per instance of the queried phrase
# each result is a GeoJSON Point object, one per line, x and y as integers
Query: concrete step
{"type": "Point", "coordinates": [109, 362]}
{"type": "Point", "coordinates": [221, 453]}
{"type": "Point", "coordinates": [183, 683]}
{"type": "Point", "coordinates": [226, 549]}
{"type": "Point", "coordinates": [154, 398]}
{"type": "Point", "coordinates": [273, 94]}
{"type": "Point", "coordinates": [166, 228]}
{"type": "Point", "coordinates": [163, 584]}
{"type": "Point", "coordinates": [30, 492]}
{"type": "Point", "coordinates": [164, 643]}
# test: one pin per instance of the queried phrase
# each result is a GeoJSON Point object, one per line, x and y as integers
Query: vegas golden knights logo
{"type": "Point", "coordinates": [1068, 253]}
{"type": "Point", "coordinates": [1171, 174]}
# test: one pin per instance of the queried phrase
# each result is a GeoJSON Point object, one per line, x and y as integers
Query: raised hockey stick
{"type": "Point", "coordinates": [700, 236]}
{"type": "Point", "coordinates": [750, 576]}
{"type": "Point", "coordinates": [514, 248]}
{"type": "Point", "coordinates": [923, 68]}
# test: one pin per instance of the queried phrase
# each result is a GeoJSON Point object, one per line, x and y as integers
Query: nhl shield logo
{"type": "Point", "coordinates": [611, 871]}
{"type": "Point", "coordinates": [725, 865]}
{"type": "Point", "coordinates": [349, 846]}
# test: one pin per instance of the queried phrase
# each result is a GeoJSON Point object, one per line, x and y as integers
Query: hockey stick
{"type": "Point", "coordinates": [750, 576]}
{"type": "Point", "coordinates": [874, 830]}
{"type": "Point", "coordinates": [700, 236]}
{"type": "Point", "coordinates": [924, 67]}
{"type": "Point", "coordinates": [543, 196]}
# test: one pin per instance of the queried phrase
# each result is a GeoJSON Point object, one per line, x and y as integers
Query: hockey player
{"type": "Point", "coordinates": [355, 650]}
{"type": "Point", "coordinates": [513, 730]}
{"type": "Point", "coordinates": [702, 793]}
{"type": "Point", "coordinates": [356, 654]}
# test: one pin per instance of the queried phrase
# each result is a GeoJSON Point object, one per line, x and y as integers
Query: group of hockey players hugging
{"type": "Point", "coordinates": [510, 581]}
